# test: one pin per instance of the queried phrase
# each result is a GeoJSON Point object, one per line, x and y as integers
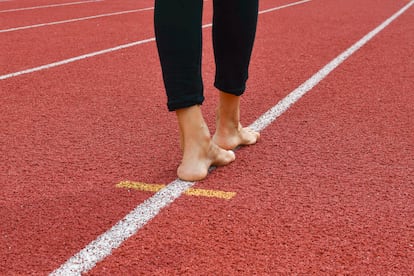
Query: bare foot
{"type": "Point", "coordinates": [199, 158]}
{"type": "Point", "coordinates": [232, 137]}
{"type": "Point", "coordinates": [199, 150]}
{"type": "Point", "coordinates": [229, 132]}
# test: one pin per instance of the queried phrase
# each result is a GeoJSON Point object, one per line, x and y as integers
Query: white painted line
{"type": "Point", "coordinates": [66, 61]}
{"type": "Point", "coordinates": [102, 247]}
{"type": "Point", "coordinates": [284, 6]}
{"type": "Point", "coordinates": [274, 9]}
{"type": "Point", "coordinates": [74, 20]}
{"type": "Point", "coordinates": [50, 6]}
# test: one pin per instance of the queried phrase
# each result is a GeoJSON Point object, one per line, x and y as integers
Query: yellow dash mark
{"type": "Point", "coordinates": [210, 193]}
{"type": "Point", "coordinates": [192, 192]}
{"type": "Point", "coordinates": [140, 186]}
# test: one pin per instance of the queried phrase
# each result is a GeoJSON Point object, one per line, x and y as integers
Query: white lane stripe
{"type": "Point", "coordinates": [62, 62]}
{"type": "Point", "coordinates": [73, 20]}
{"type": "Point", "coordinates": [50, 6]}
{"type": "Point", "coordinates": [284, 6]}
{"type": "Point", "coordinates": [102, 247]}
{"type": "Point", "coordinates": [273, 9]}
{"type": "Point", "coordinates": [66, 61]}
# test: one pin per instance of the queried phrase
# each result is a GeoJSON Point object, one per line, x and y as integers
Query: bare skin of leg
{"type": "Point", "coordinates": [199, 150]}
{"type": "Point", "coordinates": [229, 132]}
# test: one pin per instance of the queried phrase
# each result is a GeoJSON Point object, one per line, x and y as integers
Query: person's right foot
{"type": "Point", "coordinates": [229, 132]}
{"type": "Point", "coordinates": [232, 137]}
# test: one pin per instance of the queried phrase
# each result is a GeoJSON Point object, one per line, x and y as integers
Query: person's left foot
{"type": "Point", "coordinates": [199, 150]}
{"type": "Point", "coordinates": [198, 158]}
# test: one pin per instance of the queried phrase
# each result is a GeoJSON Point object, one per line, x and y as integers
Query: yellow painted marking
{"type": "Point", "coordinates": [140, 186]}
{"type": "Point", "coordinates": [210, 193]}
{"type": "Point", "coordinates": [192, 192]}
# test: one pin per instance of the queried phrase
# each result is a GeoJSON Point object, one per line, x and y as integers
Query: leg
{"type": "Point", "coordinates": [234, 29]}
{"type": "Point", "coordinates": [179, 41]}
{"type": "Point", "coordinates": [233, 37]}
{"type": "Point", "coordinates": [178, 33]}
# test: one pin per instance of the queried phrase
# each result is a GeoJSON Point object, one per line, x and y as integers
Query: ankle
{"type": "Point", "coordinates": [190, 119]}
{"type": "Point", "coordinates": [193, 129]}
{"type": "Point", "coordinates": [228, 112]}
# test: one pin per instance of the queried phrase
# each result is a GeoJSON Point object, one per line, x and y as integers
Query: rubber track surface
{"type": "Point", "coordinates": [328, 189]}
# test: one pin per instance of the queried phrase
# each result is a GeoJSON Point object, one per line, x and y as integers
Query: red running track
{"type": "Point", "coordinates": [328, 190]}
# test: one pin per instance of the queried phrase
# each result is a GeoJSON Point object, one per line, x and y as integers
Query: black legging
{"type": "Point", "coordinates": [178, 33]}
